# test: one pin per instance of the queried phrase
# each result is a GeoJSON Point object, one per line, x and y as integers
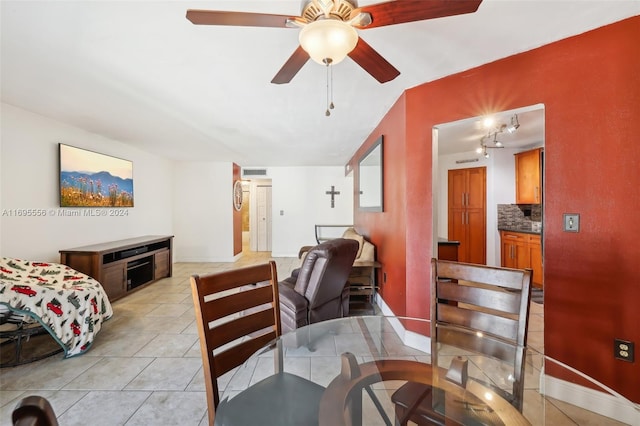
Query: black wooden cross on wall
{"type": "Point", "coordinates": [333, 193]}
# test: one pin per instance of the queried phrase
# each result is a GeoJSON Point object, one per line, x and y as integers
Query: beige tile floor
{"type": "Point", "coordinates": [145, 367]}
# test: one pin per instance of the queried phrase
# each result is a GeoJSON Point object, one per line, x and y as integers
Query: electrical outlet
{"type": "Point", "coordinates": [571, 222]}
{"type": "Point", "coordinates": [623, 349]}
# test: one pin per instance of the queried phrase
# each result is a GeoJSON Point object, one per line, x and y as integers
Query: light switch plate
{"type": "Point", "coordinates": [571, 222]}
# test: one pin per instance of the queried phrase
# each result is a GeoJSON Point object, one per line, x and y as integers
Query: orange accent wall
{"type": "Point", "coordinates": [590, 86]}
{"type": "Point", "coordinates": [237, 216]}
{"type": "Point", "coordinates": [387, 229]}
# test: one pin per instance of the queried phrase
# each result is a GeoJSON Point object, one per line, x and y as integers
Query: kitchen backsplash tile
{"type": "Point", "coordinates": [525, 217]}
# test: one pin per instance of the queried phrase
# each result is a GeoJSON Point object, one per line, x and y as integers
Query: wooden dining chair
{"type": "Point", "coordinates": [238, 313]}
{"type": "Point", "coordinates": [478, 309]}
{"type": "Point", "coordinates": [33, 410]}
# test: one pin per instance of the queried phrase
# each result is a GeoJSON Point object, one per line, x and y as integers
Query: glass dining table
{"type": "Point", "coordinates": [362, 361]}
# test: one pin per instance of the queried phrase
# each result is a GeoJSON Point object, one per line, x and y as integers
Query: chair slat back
{"type": "Point", "coordinates": [487, 323]}
{"type": "Point", "coordinates": [482, 309]}
{"type": "Point", "coordinates": [499, 349]}
{"type": "Point", "coordinates": [235, 302]}
{"type": "Point", "coordinates": [508, 302]}
{"type": "Point", "coordinates": [237, 313]}
{"type": "Point", "coordinates": [481, 274]}
{"type": "Point", "coordinates": [254, 324]}
{"type": "Point", "coordinates": [228, 360]}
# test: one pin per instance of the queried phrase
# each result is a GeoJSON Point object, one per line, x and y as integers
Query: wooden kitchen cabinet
{"type": "Point", "coordinates": [522, 251]}
{"type": "Point", "coordinates": [529, 177]}
{"type": "Point", "coordinates": [467, 213]}
{"type": "Point", "coordinates": [515, 250]}
{"type": "Point", "coordinates": [535, 257]}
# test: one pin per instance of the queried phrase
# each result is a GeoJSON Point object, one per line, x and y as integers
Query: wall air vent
{"type": "Point", "coordinates": [471, 160]}
{"type": "Point", "coordinates": [254, 172]}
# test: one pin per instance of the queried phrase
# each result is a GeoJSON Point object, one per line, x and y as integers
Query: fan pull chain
{"type": "Point", "coordinates": [327, 113]}
{"type": "Point", "coordinates": [330, 106]}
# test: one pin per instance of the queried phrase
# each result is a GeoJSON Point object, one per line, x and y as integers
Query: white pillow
{"type": "Point", "coordinates": [351, 234]}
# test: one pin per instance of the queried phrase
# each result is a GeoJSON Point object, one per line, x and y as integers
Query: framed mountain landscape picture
{"type": "Point", "coordinates": [90, 179]}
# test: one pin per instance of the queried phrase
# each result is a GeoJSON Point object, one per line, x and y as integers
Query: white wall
{"type": "Point", "coordinates": [203, 211]}
{"type": "Point", "coordinates": [299, 192]}
{"type": "Point", "coordinates": [1, 204]}
{"type": "Point", "coordinates": [29, 173]}
{"type": "Point", "coordinates": [503, 186]}
{"type": "Point", "coordinates": [190, 200]}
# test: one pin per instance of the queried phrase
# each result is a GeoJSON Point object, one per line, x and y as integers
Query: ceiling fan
{"type": "Point", "coordinates": [328, 29]}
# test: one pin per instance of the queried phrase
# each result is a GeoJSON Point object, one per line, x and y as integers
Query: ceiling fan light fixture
{"type": "Point", "coordinates": [328, 39]}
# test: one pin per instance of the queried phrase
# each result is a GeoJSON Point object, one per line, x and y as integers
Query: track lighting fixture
{"type": "Point", "coordinates": [493, 134]}
{"type": "Point", "coordinates": [513, 126]}
{"type": "Point", "coordinates": [482, 149]}
{"type": "Point", "coordinates": [496, 142]}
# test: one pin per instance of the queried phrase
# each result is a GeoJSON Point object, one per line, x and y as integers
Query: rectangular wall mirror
{"type": "Point", "coordinates": [370, 179]}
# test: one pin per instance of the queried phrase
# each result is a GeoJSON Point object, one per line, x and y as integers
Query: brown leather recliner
{"type": "Point", "coordinates": [317, 291]}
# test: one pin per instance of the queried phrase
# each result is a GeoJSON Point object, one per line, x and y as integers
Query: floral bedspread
{"type": "Point", "coordinates": [71, 305]}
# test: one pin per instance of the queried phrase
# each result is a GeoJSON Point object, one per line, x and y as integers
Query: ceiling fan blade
{"type": "Point", "coordinates": [291, 67]}
{"type": "Point", "coordinates": [401, 11]}
{"type": "Point", "coordinates": [371, 61]}
{"type": "Point", "coordinates": [243, 19]}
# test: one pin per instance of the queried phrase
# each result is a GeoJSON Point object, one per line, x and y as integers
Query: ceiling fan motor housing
{"type": "Point", "coordinates": [321, 9]}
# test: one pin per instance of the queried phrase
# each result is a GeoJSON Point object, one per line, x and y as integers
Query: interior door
{"type": "Point", "coordinates": [476, 215]}
{"type": "Point", "coordinates": [467, 213]}
{"type": "Point", "coordinates": [476, 237]}
{"type": "Point", "coordinates": [476, 188]}
{"type": "Point", "coordinates": [263, 209]}
{"type": "Point", "coordinates": [457, 189]}
{"type": "Point", "coordinates": [458, 230]}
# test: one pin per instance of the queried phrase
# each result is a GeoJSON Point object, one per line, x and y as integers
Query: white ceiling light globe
{"type": "Point", "coordinates": [328, 38]}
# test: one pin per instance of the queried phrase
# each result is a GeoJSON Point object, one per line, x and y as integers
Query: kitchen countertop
{"type": "Point", "coordinates": [444, 241]}
{"type": "Point", "coordinates": [520, 230]}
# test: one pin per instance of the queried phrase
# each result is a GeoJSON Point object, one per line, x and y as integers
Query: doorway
{"type": "Point", "coordinates": [246, 210]}
{"type": "Point", "coordinates": [260, 215]}
{"type": "Point", "coordinates": [455, 146]}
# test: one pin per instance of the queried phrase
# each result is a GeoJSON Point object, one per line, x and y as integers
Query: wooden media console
{"type": "Point", "coordinates": [125, 265]}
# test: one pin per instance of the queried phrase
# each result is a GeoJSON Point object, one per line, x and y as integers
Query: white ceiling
{"type": "Point", "coordinates": [141, 73]}
{"type": "Point", "coordinates": [466, 135]}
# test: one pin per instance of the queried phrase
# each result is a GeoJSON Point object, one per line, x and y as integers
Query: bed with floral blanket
{"type": "Point", "coordinates": [70, 305]}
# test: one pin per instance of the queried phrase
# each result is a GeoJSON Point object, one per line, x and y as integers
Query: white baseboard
{"type": "Point", "coordinates": [276, 254]}
{"type": "Point", "coordinates": [409, 338]}
{"type": "Point", "coordinates": [599, 402]}
{"type": "Point", "coordinates": [384, 308]}
{"type": "Point", "coordinates": [198, 259]}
